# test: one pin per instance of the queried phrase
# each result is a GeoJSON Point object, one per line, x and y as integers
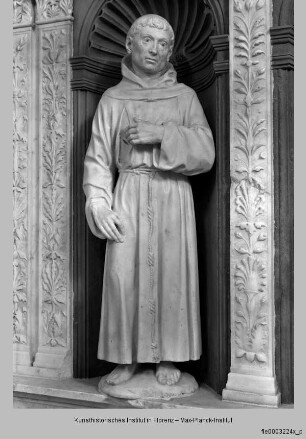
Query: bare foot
{"type": "Point", "coordinates": [167, 373]}
{"type": "Point", "coordinates": [121, 373]}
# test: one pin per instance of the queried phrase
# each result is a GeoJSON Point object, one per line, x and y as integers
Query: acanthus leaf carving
{"type": "Point", "coordinates": [50, 9]}
{"type": "Point", "coordinates": [20, 189]}
{"type": "Point", "coordinates": [250, 236]}
{"type": "Point", "coordinates": [251, 315]}
{"type": "Point", "coordinates": [260, 4]}
{"type": "Point", "coordinates": [22, 12]}
{"type": "Point", "coordinates": [54, 104]}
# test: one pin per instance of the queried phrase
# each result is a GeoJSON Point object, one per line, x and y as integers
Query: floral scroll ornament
{"type": "Point", "coordinates": [249, 85]}
{"type": "Point", "coordinates": [54, 164]}
{"type": "Point", "coordinates": [49, 9]}
{"type": "Point", "coordinates": [249, 44]}
{"type": "Point", "coordinates": [22, 12]}
{"type": "Point", "coordinates": [250, 280]}
{"type": "Point", "coordinates": [20, 154]}
{"type": "Point", "coordinates": [249, 204]}
{"type": "Point", "coordinates": [248, 176]}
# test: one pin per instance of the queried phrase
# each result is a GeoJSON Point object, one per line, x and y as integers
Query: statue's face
{"type": "Point", "coordinates": [150, 50]}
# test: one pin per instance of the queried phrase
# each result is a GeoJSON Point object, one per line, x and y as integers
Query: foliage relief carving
{"type": "Point", "coordinates": [54, 76]}
{"type": "Point", "coordinates": [249, 181]}
{"type": "Point", "coordinates": [20, 190]}
{"type": "Point", "coordinates": [49, 9]}
{"type": "Point", "coordinates": [22, 12]}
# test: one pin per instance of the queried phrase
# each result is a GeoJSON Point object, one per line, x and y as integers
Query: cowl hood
{"type": "Point", "coordinates": [133, 87]}
{"type": "Point", "coordinates": [166, 79]}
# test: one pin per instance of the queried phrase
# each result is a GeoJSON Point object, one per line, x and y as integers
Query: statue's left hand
{"type": "Point", "coordinates": [143, 132]}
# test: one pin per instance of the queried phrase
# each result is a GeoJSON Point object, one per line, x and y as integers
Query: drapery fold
{"type": "Point", "coordinates": [150, 302]}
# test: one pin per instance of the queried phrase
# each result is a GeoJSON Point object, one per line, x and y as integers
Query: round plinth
{"type": "Point", "coordinates": [143, 385]}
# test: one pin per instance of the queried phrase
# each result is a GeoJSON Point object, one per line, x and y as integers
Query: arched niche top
{"type": "Point", "coordinates": [192, 22]}
{"type": "Point", "coordinates": [90, 11]}
{"type": "Point", "coordinates": [100, 29]}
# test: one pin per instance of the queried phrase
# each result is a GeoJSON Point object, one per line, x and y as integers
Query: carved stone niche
{"type": "Point", "coordinates": [201, 41]}
{"type": "Point", "coordinates": [193, 24]}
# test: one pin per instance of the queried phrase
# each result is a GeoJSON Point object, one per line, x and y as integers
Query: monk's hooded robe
{"type": "Point", "coordinates": [150, 300]}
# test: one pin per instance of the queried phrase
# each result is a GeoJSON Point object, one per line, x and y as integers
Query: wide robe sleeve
{"type": "Point", "coordinates": [99, 164]}
{"type": "Point", "coordinates": [188, 148]}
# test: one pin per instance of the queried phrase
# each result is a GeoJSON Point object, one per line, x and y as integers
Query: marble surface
{"type": "Point", "coordinates": [30, 392]}
{"type": "Point", "coordinates": [42, 200]}
{"type": "Point", "coordinates": [143, 385]}
{"type": "Point", "coordinates": [252, 377]}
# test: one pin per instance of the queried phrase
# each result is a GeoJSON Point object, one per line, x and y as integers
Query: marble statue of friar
{"type": "Point", "coordinates": [153, 130]}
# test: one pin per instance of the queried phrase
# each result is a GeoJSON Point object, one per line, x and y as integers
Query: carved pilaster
{"type": "Point", "coordinates": [54, 351]}
{"type": "Point", "coordinates": [42, 139]}
{"type": "Point", "coordinates": [21, 165]}
{"type": "Point", "coordinates": [54, 184]}
{"type": "Point", "coordinates": [252, 377]}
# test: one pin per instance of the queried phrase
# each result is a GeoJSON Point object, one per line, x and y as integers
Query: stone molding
{"type": "Point", "coordinates": [96, 77]}
{"type": "Point", "coordinates": [252, 223]}
{"type": "Point", "coordinates": [282, 40]}
{"type": "Point", "coordinates": [220, 44]}
{"type": "Point", "coordinates": [92, 75]}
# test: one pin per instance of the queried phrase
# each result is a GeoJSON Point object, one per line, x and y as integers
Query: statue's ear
{"type": "Point", "coordinates": [128, 44]}
{"type": "Point", "coordinates": [169, 54]}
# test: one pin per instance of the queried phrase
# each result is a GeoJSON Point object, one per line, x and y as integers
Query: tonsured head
{"type": "Point", "coordinates": [150, 42]}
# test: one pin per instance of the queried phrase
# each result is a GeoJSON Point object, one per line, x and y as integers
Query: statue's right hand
{"type": "Point", "coordinates": [108, 222]}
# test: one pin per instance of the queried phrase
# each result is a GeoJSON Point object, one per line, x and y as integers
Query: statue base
{"type": "Point", "coordinates": [143, 385]}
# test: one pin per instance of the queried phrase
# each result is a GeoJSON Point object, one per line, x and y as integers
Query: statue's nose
{"type": "Point", "coordinates": [153, 49]}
